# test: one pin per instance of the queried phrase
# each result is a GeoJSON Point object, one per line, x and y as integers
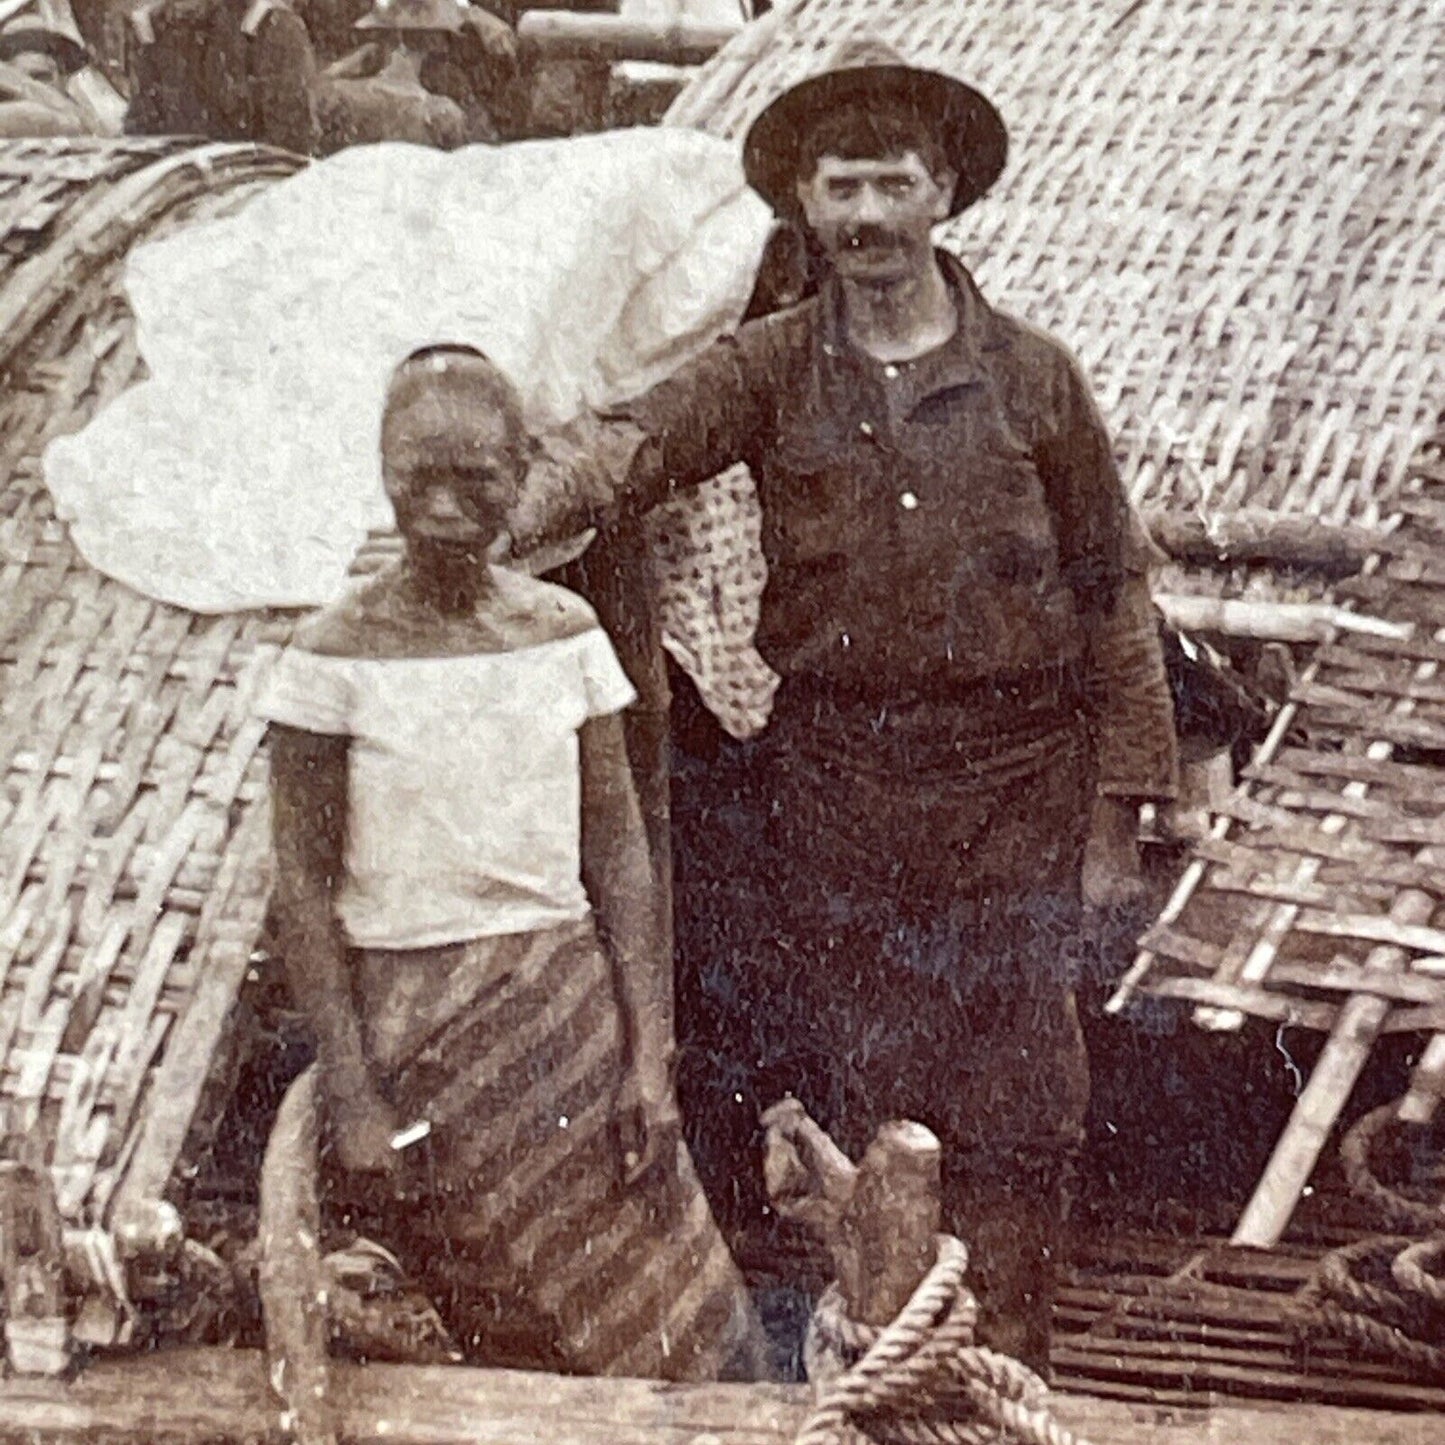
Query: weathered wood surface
{"type": "Point", "coordinates": [293, 1295]}
{"type": "Point", "coordinates": [879, 1219]}
{"type": "Point", "coordinates": [205, 1397]}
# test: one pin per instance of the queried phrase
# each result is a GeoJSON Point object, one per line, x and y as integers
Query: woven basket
{"type": "Point", "coordinates": [132, 842]}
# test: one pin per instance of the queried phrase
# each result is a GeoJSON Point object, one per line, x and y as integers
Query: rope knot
{"type": "Point", "coordinates": [921, 1380]}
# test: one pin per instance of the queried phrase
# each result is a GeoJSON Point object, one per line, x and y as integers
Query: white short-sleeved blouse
{"type": "Point", "coordinates": [464, 809]}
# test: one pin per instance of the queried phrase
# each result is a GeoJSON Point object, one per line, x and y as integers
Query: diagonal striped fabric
{"type": "Point", "coordinates": [511, 1048]}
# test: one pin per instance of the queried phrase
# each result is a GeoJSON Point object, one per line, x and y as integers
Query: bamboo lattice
{"type": "Point", "coordinates": [131, 836]}
{"type": "Point", "coordinates": [1323, 874]}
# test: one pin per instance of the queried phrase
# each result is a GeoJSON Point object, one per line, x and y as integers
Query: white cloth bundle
{"type": "Point", "coordinates": [244, 471]}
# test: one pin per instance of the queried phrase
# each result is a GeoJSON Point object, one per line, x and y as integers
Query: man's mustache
{"type": "Point", "coordinates": [872, 238]}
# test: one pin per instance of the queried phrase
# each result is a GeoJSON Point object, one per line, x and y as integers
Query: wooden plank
{"type": "Point", "coordinates": [1149, 1363]}
{"type": "Point", "coordinates": [1313, 895]}
{"type": "Point", "coordinates": [1242, 998]}
{"type": "Point", "coordinates": [181, 1397]}
{"type": "Point", "coordinates": [1414, 778]}
{"type": "Point", "coordinates": [1372, 929]}
{"type": "Point", "coordinates": [1342, 976]}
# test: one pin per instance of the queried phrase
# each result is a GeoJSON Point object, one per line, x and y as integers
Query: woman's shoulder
{"type": "Point", "coordinates": [540, 612]}
{"type": "Point", "coordinates": [347, 628]}
{"type": "Point", "coordinates": [373, 623]}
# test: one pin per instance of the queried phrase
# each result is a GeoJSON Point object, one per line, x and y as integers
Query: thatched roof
{"type": "Point", "coordinates": [130, 839]}
{"type": "Point", "coordinates": [1231, 209]}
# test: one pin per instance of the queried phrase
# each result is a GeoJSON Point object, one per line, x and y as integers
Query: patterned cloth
{"type": "Point", "coordinates": [511, 1048]}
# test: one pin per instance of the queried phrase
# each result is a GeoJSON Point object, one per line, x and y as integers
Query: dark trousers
{"type": "Point", "coordinates": [886, 946]}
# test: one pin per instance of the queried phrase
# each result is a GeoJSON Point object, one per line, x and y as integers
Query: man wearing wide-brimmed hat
{"type": "Point", "coordinates": [972, 704]}
{"type": "Point", "coordinates": [426, 75]}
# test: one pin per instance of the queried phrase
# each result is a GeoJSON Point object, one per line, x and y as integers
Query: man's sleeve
{"type": "Point", "coordinates": [1105, 556]}
{"type": "Point", "coordinates": [1076, 463]}
{"type": "Point", "coordinates": [283, 77]}
{"type": "Point", "coordinates": [1131, 711]}
{"type": "Point", "coordinates": [714, 411]}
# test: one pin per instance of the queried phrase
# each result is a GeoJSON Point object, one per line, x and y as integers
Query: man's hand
{"type": "Point", "coordinates": [1112, 877]}
{"type": "Point", "coordinates": [649, 1124]}
{"type": "Point", "coordinates": [362, 1127]}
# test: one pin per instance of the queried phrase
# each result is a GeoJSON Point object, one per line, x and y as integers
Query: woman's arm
{"type": "Point", "coordinates": [627, 900]}
{"type": "Point", "coordinates": [622, 885]}
{"type": "Point", "coordinates": [308, 822]}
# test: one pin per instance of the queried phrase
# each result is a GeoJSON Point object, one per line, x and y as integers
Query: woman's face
{"type": "Point", "coordinates": [451, 464]}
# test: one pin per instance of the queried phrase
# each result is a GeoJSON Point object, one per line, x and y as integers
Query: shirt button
{"type": "Point", "coordinates": [890, 371]}
{"type": "Point", "coordinates": [908, 501]}
{"type": "Point", "coordinates": [866, 427]}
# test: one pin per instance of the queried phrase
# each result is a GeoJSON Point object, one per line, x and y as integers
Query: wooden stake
{"type": "Point", "coordinates": [879, 1219]}
{"type": "Point", "coordinates": [889, 1238]}
{"type": "Point", "coordinates": [293, 1293]}
{"type": "Point", "coordinates": [32, 1260]}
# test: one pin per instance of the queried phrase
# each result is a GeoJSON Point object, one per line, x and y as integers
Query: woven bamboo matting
{"type": "Point", "coordinates": [1318, 899]}
{"type": "Point", "coordinates": [1231, 210]}
{"type": "Point", "coordinates": [132, 839]}
{"type": "Point", "coordinates": [1341, 816]}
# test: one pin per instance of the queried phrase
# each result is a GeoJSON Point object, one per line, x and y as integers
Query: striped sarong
{"type": "Point", "coordinates": [511, 1049]}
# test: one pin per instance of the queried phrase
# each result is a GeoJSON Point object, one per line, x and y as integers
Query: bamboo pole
{"type": "Point", "coordinates": [1427, 1084]}
{"type": "Point", "coordinates": [564, 35]}
{"type": "Point", "coordinates": [1350, 1044]}
{"type": "Point", "coordinates": [1260, 539]}
{"type": "Point", "coordinates": [1272, 621]}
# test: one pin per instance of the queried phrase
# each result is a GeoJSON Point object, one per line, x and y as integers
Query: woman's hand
{"type": "Point", "coordinates": [363, 1125]}
{"type": "Point", "coordinates": [649, 1124]}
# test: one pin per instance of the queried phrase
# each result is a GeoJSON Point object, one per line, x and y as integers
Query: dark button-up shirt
{"type": "Point", "coordinates": [951, 515]}
{"type": "Point", "coordinates": [957, 519]}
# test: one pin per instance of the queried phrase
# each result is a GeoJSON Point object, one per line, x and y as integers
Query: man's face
{"type": "Point", "coordinates": [451, 468]}
{"type": "Point", "coordinates": [874, 218]}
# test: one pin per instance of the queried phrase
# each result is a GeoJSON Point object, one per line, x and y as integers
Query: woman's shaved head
{"type": "Point", "coordinates": [452, 440]}
{"type": "Point", "coordinates": [447, 389]}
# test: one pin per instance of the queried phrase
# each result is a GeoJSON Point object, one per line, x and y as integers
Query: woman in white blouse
{"type": "Point", "coordinates": [470, 922]}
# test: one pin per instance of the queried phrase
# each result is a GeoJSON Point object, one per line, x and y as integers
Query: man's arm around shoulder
{"type": "Point", "coordinates": [715, 410]}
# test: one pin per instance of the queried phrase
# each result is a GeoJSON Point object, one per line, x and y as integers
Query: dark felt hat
{"type": "Point", "coordinates": [868, 74]}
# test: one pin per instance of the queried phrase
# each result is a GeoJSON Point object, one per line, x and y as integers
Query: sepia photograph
{"type": "Point", "coordinates": [721, 722]}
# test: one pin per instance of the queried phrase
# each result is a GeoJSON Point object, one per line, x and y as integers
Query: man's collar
{"type": "Point", "coordinates": [962, 360]}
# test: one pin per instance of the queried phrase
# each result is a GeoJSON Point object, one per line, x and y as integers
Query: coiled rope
{"type": "Point", "coordinates": [1385, 1294]}
{"type": "Point", "coordinates": [921, 1380]}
